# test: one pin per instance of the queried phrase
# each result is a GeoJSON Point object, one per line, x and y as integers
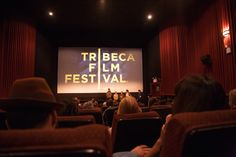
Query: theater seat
{"type": "Point", "coordinates": [145, 109]}
{"type": "Point", "coordinates": [130, 130]}
{"type": "Point", "coordinates": [205, 134]}
{"type": "Point", "coordinates": [74, 121]}
{"type": "Point", "coordinates": [96, 112]}
{"type": "Point", "coordinates": [85, 141]}
{"type": "Point", "coordinates": [162, 110]}
{"type": "Point", "coordinates": [108, 115]}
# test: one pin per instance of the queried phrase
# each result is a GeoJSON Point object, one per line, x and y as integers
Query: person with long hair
{"type": "Point", "coordinates": [193, 93]}
{"type": "Point", "coordinates": [128, 105]}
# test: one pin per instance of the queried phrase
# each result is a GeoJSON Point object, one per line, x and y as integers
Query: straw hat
{"type": "Point", "coordinates": [30, 94]}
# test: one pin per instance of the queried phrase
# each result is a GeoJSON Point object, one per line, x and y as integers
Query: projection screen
{"type": "Point", "coordinates": [94, 70]}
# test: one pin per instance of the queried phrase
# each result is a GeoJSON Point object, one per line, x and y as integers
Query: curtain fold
{"type": "Point", "coordinates": [170, 46]}
{"type": "Point", "coordinates": [182, 46]}
{"type": "Point", "coordinates": [17, 53]}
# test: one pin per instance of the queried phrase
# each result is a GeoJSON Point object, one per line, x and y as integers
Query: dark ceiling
{"type": "Point", "coordinates": [103, 21]}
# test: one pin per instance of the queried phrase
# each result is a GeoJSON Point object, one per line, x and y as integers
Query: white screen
{"type": "Point", "coordinates": [94, 70]}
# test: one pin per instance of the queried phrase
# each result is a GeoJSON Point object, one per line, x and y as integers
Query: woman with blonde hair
{"type": "Point", "coordinates": [128, 105]}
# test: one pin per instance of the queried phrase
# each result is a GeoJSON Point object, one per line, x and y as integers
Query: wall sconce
{"type": "Point", "coordinates": [227, 40]}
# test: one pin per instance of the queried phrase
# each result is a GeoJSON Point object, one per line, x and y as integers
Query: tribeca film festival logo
{"type": "Point", "coordinates": [99, 70]}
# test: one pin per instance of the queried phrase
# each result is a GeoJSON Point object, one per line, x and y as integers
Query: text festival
{"type": "Point", "coordinates": [102, 69]}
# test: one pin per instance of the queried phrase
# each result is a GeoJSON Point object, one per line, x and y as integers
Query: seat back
{"type": "Point", "coordinates": [108, 115]}
{"type": "Point", "coordinates": [96, 112]}
{"type": "Point", "coordinates": [145, 109]}
{"type": "Point", "coordinates": [3, 116]}
{"type": "Point", "coordinates": [204, 134]}
{"type": "Point", "coordinates": [130, 130]}
{"type": "Point", "coordinates": [85, 141]}
{"type": "Point", "coordinates": [162, 110]}
{"type": "Point", "coordinates": [74, 121]}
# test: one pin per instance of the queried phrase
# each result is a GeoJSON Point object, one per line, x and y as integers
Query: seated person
{"type": "Point", "coordinates": [90, 104]}
{"type": "Point", "coordinates": [122, 95]}
{"type": "Point", "coordinates": [116, 98]}
{"type": "Point", "coordinates": [127, 93]}
{"type": "Point", "coordinates": [31, 104]}
{"type": "Point", "coordinates": [128, 105]}
{"type": "Point", "coordinates": [152, 101]}
{"type": "Point", "coordinates": [194, 93]}
{"type": "Point", "coordinates": [108, 94]}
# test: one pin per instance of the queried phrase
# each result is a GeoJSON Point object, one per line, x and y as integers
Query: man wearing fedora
{"type": "Point", "coordinates": [31, 104]}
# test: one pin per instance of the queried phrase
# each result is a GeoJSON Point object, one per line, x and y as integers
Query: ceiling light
{"type": "Point", "coordinates": [50, 13]}
{"type": "Point", "coordinates": [149, 17]}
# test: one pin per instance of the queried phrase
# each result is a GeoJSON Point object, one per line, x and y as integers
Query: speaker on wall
{"type": "Point", "coordinates": [206, 60]}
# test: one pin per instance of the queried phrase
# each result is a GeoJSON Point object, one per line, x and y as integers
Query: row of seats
{"type": "Point", "coordinates": [85, 141]}
{"type": "Point", "coordinates": [130, 127]}
{"type": "Point", "coordinates": [107, 116]}
{"type": "Point", "coordinates": [207, 134]}
{"type": "Point", "coordinates": [162, 110]}
{"type": "Point", "coordinates": [74, 121]}
{"type": "Point", "coordinates": [137, 128]}
{"type": "Point", "coordinates": [130, 130]}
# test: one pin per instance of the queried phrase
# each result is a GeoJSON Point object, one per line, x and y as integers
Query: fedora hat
{"type": "Point", "coordinates": [30, 94]}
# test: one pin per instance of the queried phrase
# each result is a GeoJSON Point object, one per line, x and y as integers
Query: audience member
{"type": "Point", "coordinates": [109, 102]}
{"type": "Point", "coordinates": [77, 101]}
{"type": "Point", "coordinates": [139, 95]}
{"type": "Point", "coordinates": [153, 101]}
{"type": "Point", "coordinates": [127, 93]}
{"type": "Point", "coordinates": [72, 107]}
{"type": "Point", "coordinates": [197, 93]}
{"type": "Point", "coordinates": [31, 104]}
{"type": "Point", "coordinates": [90, 104]}
{"type": "Point", "coordinates": [140, 98]}
{"type": "Point", "coordinates": [116, 98]}
{"type": "Point", "coordinates": [121, 95]}
{"type": "Point", "coordinates": [128, 105]}
{"type": "Point", "coordinates": [232, 99]}
{"type": "Point", "coordinates": [194, 93]}
{"type": "Point", "coordinates": [108, 94]}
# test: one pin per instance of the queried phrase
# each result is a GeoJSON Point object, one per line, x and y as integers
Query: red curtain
{"type": "Point", "coordinates": [17, 53]}
{"type": "Point", "coordinates": [170, 46]}
{"type": "Point", "coordinates": [182, 46]}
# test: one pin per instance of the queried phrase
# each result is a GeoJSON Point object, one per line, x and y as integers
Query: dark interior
{"type": "Point", "coordinates": [115, 23]}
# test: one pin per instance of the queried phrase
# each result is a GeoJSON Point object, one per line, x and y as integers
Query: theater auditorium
{"type": "Point", "coordinates": [117, 78]}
